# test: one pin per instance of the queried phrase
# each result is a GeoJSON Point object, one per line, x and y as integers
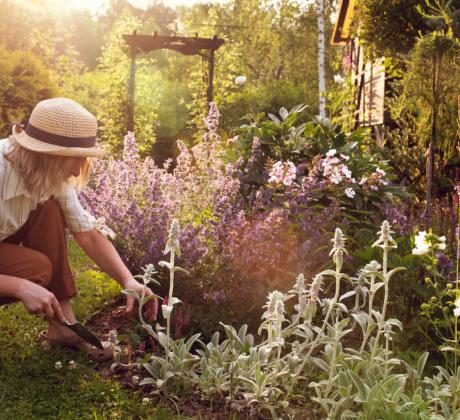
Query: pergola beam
{"type": "Point", "coordinates": [182, 44]}
{"type": "Point", "coordinates": [143, 44]}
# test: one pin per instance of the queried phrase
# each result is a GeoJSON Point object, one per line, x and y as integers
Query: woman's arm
{"type": "Point", "coordinates": [36, 299]}
{"type": "Point", "coordinates": [104, 254]}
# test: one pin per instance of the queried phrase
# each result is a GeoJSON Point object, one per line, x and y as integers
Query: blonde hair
{"type": "Point", "coordinates": [45, 175]}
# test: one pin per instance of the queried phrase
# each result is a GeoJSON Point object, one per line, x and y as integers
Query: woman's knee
{"type": "Point", "coordinates": [43, 270]}
{"type": "Point", "coordinates": [26, 263]}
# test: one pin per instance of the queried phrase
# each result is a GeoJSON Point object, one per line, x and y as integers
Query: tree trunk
{"type": "Point", "coordinates": [131, 90]}
{"type": "Point", "coordinates": [321, 59]}
{"type": "Point", "coordinates": [430, 166]}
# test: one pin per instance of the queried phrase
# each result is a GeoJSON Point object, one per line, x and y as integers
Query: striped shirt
{"type": "Point", "coordinates": [16, 203]}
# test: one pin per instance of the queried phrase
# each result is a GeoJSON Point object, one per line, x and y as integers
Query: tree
{"type": "Point", "coordinates": [24, 81]}
{"type": "Point", "coordinates": [425, 103]}
{"type": "Point", "coordinates": [321, 59]}
{"type": "Point", "coordinates": [390, 27]}
{"type": "Point", "coordinates": [273, 44]}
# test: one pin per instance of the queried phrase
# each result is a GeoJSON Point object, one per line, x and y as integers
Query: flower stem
{"type": "Point", "coordinates": [170, 295]}
{"type": "Point", "coordinates": [369, 314]}
{"type": "Point", "coordinates": [326, 319]}
{"type": "Point", "coordinates": [385, 301]}
{"type": "Point", "coordinates": [456, 287]}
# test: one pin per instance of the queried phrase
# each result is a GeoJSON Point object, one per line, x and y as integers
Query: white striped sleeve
{"type": "Point", "coordinates": [77, 218]}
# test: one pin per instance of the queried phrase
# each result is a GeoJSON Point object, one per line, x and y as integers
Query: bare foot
{"type": "Point", "coordinates": [57, 331]}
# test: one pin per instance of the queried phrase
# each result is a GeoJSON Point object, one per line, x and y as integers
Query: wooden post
{"type": "Point", "coordinates": [204, 47]}
{"type": "Point", "coordinates": [209, 90]}
{"type": "Point", "coordinates": [430, 165]}
{"type": "Point", "coordinates": [131, 89]}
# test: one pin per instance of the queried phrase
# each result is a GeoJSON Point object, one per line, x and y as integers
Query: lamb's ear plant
{"type": "Point", "coordinates": [178, 359]}
{"type": "Point", "coordinates": [147, 278]}
{"type": "Point", "coordinates": [296, 359]}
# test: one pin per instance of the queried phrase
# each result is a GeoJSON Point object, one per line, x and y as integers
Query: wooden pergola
{"type": "Point", "coordinates": [143, 44]}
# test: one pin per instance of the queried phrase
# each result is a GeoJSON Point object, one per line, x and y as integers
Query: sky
{"type": "Point", "coordinates": [95, 6]}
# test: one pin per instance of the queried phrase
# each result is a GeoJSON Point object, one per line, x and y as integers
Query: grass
{"type": "Point", "coordinates": [30, 385]}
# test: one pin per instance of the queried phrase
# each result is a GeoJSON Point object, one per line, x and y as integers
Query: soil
{"type": "Point", "coordinates": [136, 345]}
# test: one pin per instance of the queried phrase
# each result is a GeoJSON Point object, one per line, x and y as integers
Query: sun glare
{"type": "Point", "coordinates": [98, 6]}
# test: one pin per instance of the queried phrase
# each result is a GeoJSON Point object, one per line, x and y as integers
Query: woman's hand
{"type": "Point", "coordinates": [150, 308]}
{"type": "Point", "coordinates": [40, 301]}
{"type": "Point", "coordinates": [104, 254]}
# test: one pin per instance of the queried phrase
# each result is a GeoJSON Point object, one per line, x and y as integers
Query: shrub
{"type": "Point", "coordinates": [24, 81]}
{"type": "Point", "coordinates": [286, 217]}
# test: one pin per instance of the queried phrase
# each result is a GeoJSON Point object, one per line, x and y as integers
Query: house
{"type": "Point", "coordinates": [368, 76]}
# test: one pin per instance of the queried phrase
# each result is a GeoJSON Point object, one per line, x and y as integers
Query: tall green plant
{"type": "Point", "coordinates": [111, 106]}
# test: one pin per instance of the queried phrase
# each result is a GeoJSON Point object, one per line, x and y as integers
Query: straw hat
{"type": "Point", "coordinates": [59, 126]}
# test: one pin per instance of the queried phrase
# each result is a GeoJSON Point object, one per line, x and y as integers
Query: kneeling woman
{"type": "Point", "coordinates": [42, 165]}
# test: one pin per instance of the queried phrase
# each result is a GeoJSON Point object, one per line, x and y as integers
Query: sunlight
{"type": "Point", "coordinates": [97, 6]}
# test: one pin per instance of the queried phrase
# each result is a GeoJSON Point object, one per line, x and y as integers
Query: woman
{"type": "Point", "coordinates": [41, 167]}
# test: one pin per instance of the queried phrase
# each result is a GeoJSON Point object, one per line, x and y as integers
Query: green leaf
{"type": "Point", "coordinates": [147, 299]}
{"type": "Point", "coordinates": [148, 381]}
{"type": "Point", "coordinates": [344, 385]}
{"type": "Point", "coordinates": [283, 113]}
{"type": "Point", "coordinates": [163, 339]}
{"type": "Point", "coordinates": [274, 118]}
{"type": "Point", "coordinates": [131, 293]}
{"type": "Point", "coordinates": [321, 364]}
{"type": "Point", "coordinates": [191, 340]}
{"type": "Point", "coordinates": [360, 385]}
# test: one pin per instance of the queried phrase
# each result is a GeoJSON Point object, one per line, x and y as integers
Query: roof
{"type": "Point", "coordinates": [342, 29]}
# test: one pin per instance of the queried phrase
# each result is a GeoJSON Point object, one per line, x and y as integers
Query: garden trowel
{"type": "Point", "coordinates": [84, 333]}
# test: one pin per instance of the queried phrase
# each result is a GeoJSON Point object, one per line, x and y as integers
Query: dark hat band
{"type": "Point", "coordinates": [58, 140]}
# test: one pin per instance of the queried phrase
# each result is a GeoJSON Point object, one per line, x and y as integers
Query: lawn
{"type": "Point", "coordinates": [32, 387]}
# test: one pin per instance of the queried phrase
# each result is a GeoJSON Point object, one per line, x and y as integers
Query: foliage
{"type": "Point", "coordinates": [274, 47]}
{"type": "Point", "coordinates": [331, 165]}
{"type": "Point", "coordinates": [391, 28]}
{"type": "Point", "coordinates": [39, 29]}
{"type": "Point", "coordinates": [24, 81]}
{"type": "Point", "coordinates": [113, 101]}
{"type": "Point", "coordinates": [424, 102]}
{"type": "Point", "coordinates": [264, 98]}
{"type": "Point", "coordinates": [126, 189]}
{"type": "Point", "coordinates": [28, 372]}
{"type": "Point", "coordinates": [425, 300]}
{"type": "Point", "coordinates": [412, 111]}
{"type": "Point", "coordinates": [89, 62]}
{"type": "Point", "coordinates": [371, 382]}
{"type": "Point", "coordinates": [225, 207]}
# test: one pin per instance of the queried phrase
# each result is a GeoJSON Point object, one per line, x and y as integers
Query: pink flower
{"type": "Point", "coordinates": [283, 173]}
{"type": "Point", "coordinates": [232, 140]}
{"type": "Point", "coordinates": [346, 171]}
{"type": "Point", "coordinates": [350, 192]}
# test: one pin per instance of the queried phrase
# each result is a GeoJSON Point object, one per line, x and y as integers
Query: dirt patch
{"type": "Point", "coordinates": [135, 345]}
